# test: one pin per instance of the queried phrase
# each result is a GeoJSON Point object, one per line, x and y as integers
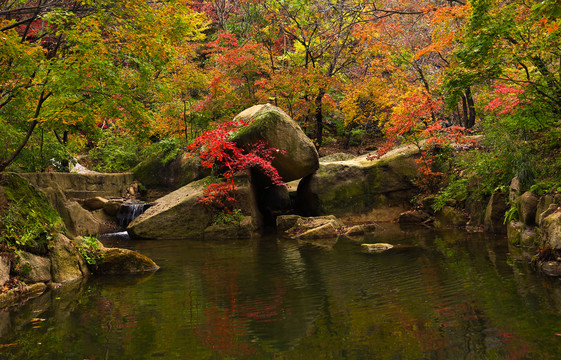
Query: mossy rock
{"type": "Point", "coordinates": [273, 126]}
{"type": "Point", "coordinates": [159, 172]}
{"type": "Point", "coordinates": [124, 261]}
{"type": "Point", "coordinates": [28, 220]}
{"type": "Point", "coordinates": [358, 185]}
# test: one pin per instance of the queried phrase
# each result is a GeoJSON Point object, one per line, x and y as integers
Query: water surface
{"type": "Point", "coordinates": [440, 295]}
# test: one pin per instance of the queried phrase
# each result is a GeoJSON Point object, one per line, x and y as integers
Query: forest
{"type": "Point", "coordinates": [113, 83]}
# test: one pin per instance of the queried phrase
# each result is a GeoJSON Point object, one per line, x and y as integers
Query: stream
{"type": "Point", "coordinates": [438, 295]}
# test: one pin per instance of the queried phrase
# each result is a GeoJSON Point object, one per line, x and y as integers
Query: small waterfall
{"type": "Point", "coordinates": [130, 211]}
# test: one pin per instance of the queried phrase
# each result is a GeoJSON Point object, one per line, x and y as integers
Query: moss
{"type": "Point", "coordinates": [30, 221]}
{"type": "Point", "coordinates": [148, 172]}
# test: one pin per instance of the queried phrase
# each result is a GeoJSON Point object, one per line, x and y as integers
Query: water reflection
{"type": "Point", "coordinates": [442, 295]}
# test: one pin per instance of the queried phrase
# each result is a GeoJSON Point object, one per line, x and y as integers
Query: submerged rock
{"type": "Point", "coordinates": [377, 247]}
{"type": "Point", "coordinates": [413, 217]}
{"type": "Point", "coordinates": [124, 261]}
{"type": "Point", "coordinates": [297, 227]}
{"type": "Point", "coordinates": [273, 126]}
{"type": "Point", "coordinates": [21, 294]}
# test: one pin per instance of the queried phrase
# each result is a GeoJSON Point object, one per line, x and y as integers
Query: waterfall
{"type": "Point", "coordinates": [130, 211]}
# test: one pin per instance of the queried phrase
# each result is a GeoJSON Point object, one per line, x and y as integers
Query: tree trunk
{"type": "Point", "coordinates": [319, 118]}
{"type": "Point", "coordinates": [471, 109]}
{"type": "Point", "coordinates": [7, 162]}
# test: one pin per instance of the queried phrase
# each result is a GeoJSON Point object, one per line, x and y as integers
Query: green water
{"type": "Point", "coordinates": [446, 295]}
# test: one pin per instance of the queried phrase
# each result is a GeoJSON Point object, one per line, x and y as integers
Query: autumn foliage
{"type": "Point", "coordinates": [227, 160]}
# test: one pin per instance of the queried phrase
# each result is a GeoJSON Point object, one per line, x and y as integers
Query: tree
{"type": "Point", "coordinates": [68, 65]}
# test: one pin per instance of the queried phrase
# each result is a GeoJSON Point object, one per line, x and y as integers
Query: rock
{"type": "Point", "coordinates": [475, 208]}
{"type": "Point", "coordinates": [413, 217]}
{"type": "Point", "coordinates": [173, 173]}
{"type": "Point", "coordinates": [31, 218]}
{"type": "Point", "coordinates": [426, 203]}
{"type": "Point", "coordinates": [450, 217]}
{"type": "Point", "coordinates": [243, 229]}
{"type": "Point", "coordinates": [519, 234]}
{"type": "Point", "coordinates": [359, 185]}
{"type": "Point", "coordinates": [320, 232]}
{"type": "Point", "coordinates": [124, 261]}
{"type": "Point", "coordinates": [495, 213]}
{"type": "Point", "coordinates": [94, 203]}
{"type": "Point", "coordinates": [528, 207]}
{"type": "Point", "coordinates": [543, 204]}
{"type": "Point", "coordinates": [5, 265]}
{"type": "Point", "coordinates": [285, 222]}
{"type": "Point", "coordinates": [178, 215]}
{"type": "Point", "coordinates": [363, 229]}
{"type": "Point", "coordinates": [273, 126]}
{"type": "Point", "coordinates": [550, 268]}
{"type": "Point", "coordinates": [82, 186]}
{"type": "Point", "coordinates": [377, 247]}
{"type": "Point", "coordinates": [67, 263]}
{"type": "Point", "coordinates": [112, 207]}
{"type": "Point", "coordinates": [515, 190]}
{"type": "Point", "coordinates": [336, 157]}
{"type": "Point", "coordinates": [18, 295]}
{"type": "Point", "coordinates": [550, 210]}
{"type": "Point", "coordinates": [551, 231]}
{"type": "Point", "coordinates": [313, 227]}
{"type": "Point", "coordinates": [80, 221]}
{"type": "Point", "coordinates": [32, 268]}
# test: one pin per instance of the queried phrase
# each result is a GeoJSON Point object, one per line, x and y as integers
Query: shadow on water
{"type": "Point", "coordinates": [436, 295]}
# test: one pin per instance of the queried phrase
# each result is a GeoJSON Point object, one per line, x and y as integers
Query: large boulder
{"type": "Point", "coordinates": [273, 126]}
{"type": "Point", "coordinates": [178, 215]}
{"type": "Point", "coordinates": [359, 185]}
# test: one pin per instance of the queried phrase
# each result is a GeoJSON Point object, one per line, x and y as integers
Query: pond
{"type": "Point", "coordinates": [440, 295]}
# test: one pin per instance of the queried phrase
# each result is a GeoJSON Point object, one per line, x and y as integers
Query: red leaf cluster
{"type": "Point", "coordinates": [224, 156]}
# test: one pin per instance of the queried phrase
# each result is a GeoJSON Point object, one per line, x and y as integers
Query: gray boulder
{"type": "Point", "coordinates": [178, 215]}
{"type": "Point", "coordinates": [273, 126]}
{"type": "Point", "coordinates": [359, 185]}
